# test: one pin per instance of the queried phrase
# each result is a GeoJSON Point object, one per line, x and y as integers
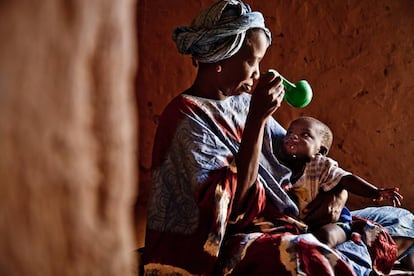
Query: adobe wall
{"type": "Point", "coordinates": [67, 137]}
{"type": "Point", "coordinates": [357, 55]}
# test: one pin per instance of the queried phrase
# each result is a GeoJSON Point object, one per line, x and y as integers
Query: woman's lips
{"type": "Point", "coordinates": [246, 87]}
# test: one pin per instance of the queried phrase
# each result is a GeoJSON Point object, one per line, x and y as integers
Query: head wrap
{"type": "Point", "coordinates": [218, 32]}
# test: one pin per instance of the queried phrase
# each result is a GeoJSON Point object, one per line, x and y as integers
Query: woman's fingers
{"type": "Point", "coordinates": [276, 88]}
{"type": "Point", "coordinates": [268, 94]}
{"type": "Point", "coordinates": [277, 93]}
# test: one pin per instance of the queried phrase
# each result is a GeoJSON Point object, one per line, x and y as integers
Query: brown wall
{"type": "Point", "coordinates": [67, 137]}
{"type": "Point", "coordinates": [357, 55]}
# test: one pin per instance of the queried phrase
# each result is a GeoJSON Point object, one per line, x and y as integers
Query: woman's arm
{"type": "Point", "coordinates": [266, 98]}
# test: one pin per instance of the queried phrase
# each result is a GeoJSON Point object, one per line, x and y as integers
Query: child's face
{"type": "Point", "coordinates": [302, 140]}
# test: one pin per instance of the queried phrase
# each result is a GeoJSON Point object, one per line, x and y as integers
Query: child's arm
{"type": "Point", "coordinates": [361, 187]}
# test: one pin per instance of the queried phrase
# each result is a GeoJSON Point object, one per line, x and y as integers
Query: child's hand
{"type": "Point", "coordinates": [391, 194]}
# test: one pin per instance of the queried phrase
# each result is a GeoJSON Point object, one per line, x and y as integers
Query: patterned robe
{"type": "Point", "coordinates": [190, 227]}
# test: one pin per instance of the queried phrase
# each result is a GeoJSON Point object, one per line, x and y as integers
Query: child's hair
{"type": "Point", "coordinates": [324, 131]}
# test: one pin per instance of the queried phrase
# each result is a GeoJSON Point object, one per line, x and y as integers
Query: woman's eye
{"type": "Point", "coordinates": [251, 63]}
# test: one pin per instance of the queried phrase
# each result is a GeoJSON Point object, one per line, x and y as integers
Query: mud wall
{"type": "Point", "coordinates": [68, 137]}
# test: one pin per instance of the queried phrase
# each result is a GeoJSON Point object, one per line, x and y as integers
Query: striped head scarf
{"type": "Point", "coordinates": [218, 32]}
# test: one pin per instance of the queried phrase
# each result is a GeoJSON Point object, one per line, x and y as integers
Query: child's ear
{"type": "Point", "coordinates": [323, 150]}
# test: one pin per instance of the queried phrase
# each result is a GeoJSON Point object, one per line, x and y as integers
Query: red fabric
{"type": "Point", "coordinates": [381, 246]}
{"type": "Point", "coordinates": [315, 263]}
{"type": "Point", "coordinates": [263, 257]}
{"type": "Point", "coordinates": [172, 116]}
{"type": "Point", "coordinates": [188, 249]}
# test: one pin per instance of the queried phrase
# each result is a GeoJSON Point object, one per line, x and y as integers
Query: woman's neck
{"type": "Point", "coordinates": [206, 91]}
{"type": "Point", "coordinates": [205, 84]}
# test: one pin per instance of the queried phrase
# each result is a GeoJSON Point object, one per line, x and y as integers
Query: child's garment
{"type": "Point", "coordinates": [321, 174]}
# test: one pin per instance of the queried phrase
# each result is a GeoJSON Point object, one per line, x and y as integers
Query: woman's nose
{"type": "Point", "coordinates": [256, 72]}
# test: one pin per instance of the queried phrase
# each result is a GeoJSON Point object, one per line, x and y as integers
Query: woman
{"type": "Point", "coordinates": [216, 204]}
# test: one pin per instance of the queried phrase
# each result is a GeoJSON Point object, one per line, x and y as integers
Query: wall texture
{"type": "Point", "coordinates": [357, 55]}
{"type": "Point", "coordinates": [68, 137]}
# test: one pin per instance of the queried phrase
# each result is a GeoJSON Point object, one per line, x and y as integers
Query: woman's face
{"type": "Point", "coordinates": [241, 70]}
{"type": "Point", "coordinates": [302, 140]}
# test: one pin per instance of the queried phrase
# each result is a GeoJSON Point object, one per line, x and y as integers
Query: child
{"type": "Point", "coordinates": [304, 150]}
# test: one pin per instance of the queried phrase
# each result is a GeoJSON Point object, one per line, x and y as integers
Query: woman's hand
{"type": "Point", "coordinates": [268, 94]}
{"type": "Point", "coordinates": [390, 194]}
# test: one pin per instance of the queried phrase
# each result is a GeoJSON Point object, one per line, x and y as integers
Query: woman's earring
{"type": "Point", "coordinates": [195, 61]}
{"type": "Point", "coordinates": [218, 68]}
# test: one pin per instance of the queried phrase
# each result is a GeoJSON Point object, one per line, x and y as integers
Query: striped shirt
{"type": "Point", "coordinates": [321, 173]}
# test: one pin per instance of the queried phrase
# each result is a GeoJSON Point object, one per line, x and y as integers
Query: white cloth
{"type": "Point", "coordinates": [218, 32]}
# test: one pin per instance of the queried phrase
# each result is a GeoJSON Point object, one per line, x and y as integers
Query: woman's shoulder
{"type": "Point", "coordinates": [179, 104]}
